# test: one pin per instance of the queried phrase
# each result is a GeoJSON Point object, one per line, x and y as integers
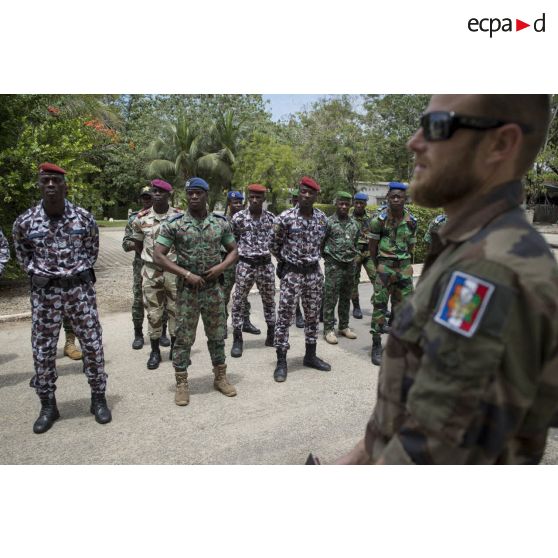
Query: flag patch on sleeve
{"type": "Point", "coordinates": [464, 303]}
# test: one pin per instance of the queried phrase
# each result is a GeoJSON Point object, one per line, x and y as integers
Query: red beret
{"type": "Point", "coordinates": [158, 183]}
{"type": "Point", "coordinates": [311, 183]}
{"type": "Point", "coordinates": [48, 168]}
{"type": "Point", "coordinates": [257, 188]}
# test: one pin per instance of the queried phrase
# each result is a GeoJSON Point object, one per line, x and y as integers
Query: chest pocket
{"type": "Point", "coordinates": [77, 237]}
{"type": "Point", "coordinates": [39, 241]}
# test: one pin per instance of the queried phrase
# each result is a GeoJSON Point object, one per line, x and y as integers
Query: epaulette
{"type": "Point", "coordinates": [132, 215]}
{"type": "Point", "coordinates": [382, 215]}
{"type": "Point", "coordinates": [413, 218]}
{"type": "Point", "coordinates": [220, 216]}
{"type": "Point", "coordinates": [174, 217]}
{"type": "Point", "coordinates": [440, 218]}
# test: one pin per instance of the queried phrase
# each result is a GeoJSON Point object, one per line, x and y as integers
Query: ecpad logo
{"type": "Point", "coordinates": [493, 25]}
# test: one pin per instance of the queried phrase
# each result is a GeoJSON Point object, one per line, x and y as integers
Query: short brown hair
{"type": "Point", "coordinates": [530, 110]}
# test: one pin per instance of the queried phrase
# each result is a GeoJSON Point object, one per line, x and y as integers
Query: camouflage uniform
{"type": "Point", "coordinates": [58, 254]}
{"type": "Point", "coordinates": [253, 237]}
{"type": "Point", "coordinates": [296, 243]}
{"type": "Point", "coordinates": [473, 379]}
{"type": "Point", "coordinates": [4, 252]}
{"type": "Point", "coordinates": [198, 248]}
{"type": "Point", "coordinates": [394, 274]}
{"type": "Point", "coordinates": [433, 226]}
{"type": "Point", "coordinates": [128, 245]}
{"type": "Point", "coordinates": [340, 251]}
{"type": "Point", "coordinates": [159, 287]}
{"type": "Point", "coordinates": [363, 258]}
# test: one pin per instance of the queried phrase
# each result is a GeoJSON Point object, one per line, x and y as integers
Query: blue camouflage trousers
{"type": "Point", "coordinates": [78, 306]}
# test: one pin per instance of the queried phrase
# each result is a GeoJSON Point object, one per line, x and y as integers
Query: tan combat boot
{"type": "Point", "coordinates": [348, 333]}
{"type": "Point", "coordinates": [182, 396]}
{"type": "Point", "coordinates": [70, 349]}
{"type": "Point", "coordinates": [331, 338]}
{"type": "Point", "coordinates": [220, 383]}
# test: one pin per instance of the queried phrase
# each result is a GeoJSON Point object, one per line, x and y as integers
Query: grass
{"type": "Point", "coordinates": [115, 223]}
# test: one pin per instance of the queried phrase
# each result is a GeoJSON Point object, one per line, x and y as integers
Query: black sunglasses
{"type": "Point", "coordinates": [441, 125]}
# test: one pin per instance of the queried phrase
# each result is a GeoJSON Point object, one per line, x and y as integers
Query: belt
{"type": "Point", "coordinates": [256, 262]}
{"type": "Point", "coordinates": [344, 265]}
{"type": "Point", "coordinates": [181, 283]}
{"type": "Point", "coordinates": [390, 262]}
{"type": "Point", "coordinates": [302, 269]}
{"type": "Point", "coordinates": [41, 282]}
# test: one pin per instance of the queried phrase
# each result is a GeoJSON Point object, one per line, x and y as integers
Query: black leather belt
{"type": "Point", "coordinates": [41, 282]}
{"type": "Point", "coordinates": [303, 269]}
{"type": "Point", "coordinates": [256, 262]}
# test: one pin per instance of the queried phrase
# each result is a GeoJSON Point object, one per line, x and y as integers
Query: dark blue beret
{"type": "Point", "coordinates": [397, 186]}
{"type": "Point", "coordinates": [361, 196]}
{"type": "Point", "coordinates": [196, 182]}
{"type": "Point", "coordinates": [235, 195]}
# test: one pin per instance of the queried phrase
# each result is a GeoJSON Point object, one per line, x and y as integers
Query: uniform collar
{"type": "Point", "coordinates": [476, 215]}
{"type": "Point", "coordinates": [69, 211]}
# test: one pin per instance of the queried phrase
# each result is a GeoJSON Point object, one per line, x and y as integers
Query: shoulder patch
{"type": "Point", "coordinates": [464, 303]}
{"type": "Point", "coordinates": [143, 212]}
{"type": "Point", "coordinates": [440, 219]}
{"type": "Point", "coordinates": [382, 215]}
{"type": "Point", "coordinates": [174, 217]}
{"type": "Point", "coordinates": [412, 217]}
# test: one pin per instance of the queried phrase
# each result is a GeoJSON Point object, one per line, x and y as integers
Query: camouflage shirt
{"type": "Point", "coordinates": [146, 227]}
{"type": "Point", "coordinates": [4, 252]}
{"type": "Point", "coordinates": [470, 370]}
{"type": "Point", "coordinates": [56, 247]}
{"type": "Point", "coordinates": [197, 242]}
{"type": "Point", "coordinates": [341, 239]}
{"type": "Point", "coordinates": [297, 240]}
{"type": "Point", "coordinates": [128, 243]}
{"type": "Point", "coordinates": [252, 235]}
{"type": "Point", "coordinates": [434, 225]}
{"type": "Point", "coordinates": [395, 241]}
{"type": "Point", "coordinates": [364, 222]}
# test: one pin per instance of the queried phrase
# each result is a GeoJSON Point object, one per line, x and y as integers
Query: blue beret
{"type": "Point", "coordinates": [235, 195]}
{"type": "Point", "coordinates": [397, 186]}
{"type": "Point", "coordinates": [361, 196]}
{"type": "Point", "coordinates": [196, 182]}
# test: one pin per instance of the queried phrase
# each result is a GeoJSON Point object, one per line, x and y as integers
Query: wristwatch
{"type": "Point", "coordinates": [188, 273]}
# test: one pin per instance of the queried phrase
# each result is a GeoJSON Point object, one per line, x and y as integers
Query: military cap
{"type": "Point", "coordinates": [146, 191]}
{"type": "Point", "coordinates": [342, 195]}
{"type": "Point", "coordinates": [49, 168]}
{"type": "Point", "coordinates": [197, 183]}
{"type": "Point", "coordinates": [257, 188]}
{"type": "Point", "coordinates": [397, 186]}
{"type": "Point", "coordinates": [310, 182]}
{"type": "Point", "coordinates": [235, 195]}
{"type": "Point", "coordinates": [361, 196]}
{"type": "Point", "coordinates": [161, 184]}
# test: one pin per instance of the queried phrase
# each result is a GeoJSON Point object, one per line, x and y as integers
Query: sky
{"type": "Point", "coordinates": [283, 105]}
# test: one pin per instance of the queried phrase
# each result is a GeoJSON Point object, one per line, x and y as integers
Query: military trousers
{"type": "Point", "coordinates": [309, 288]}
{"type": "Point", "coordinates": [159, 292]}
{"type": "Point", "coordinates": [338, 286]}
{"type": "Point", "coordinates": [394, 279]}
{"type": "Point", "coordinates": [363, 260]}
{"type": "Point", "coordinates": [137, 304]}
{"type": "Point", "coordinates": [246, 276]}
{"type": "Point", "coordinates": [78, 306]}
{"type": "Point", "coordinates": [229, 277]}
{"type": "Point", "coordinates": [190, 305]}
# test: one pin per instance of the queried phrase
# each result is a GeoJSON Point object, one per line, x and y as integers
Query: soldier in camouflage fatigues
{"type": "Point", "coordinates": [4, 252]}
{"type": "Point", "coordinates": [297, 239]}
{"type": "Point", "coordinates": [197, 238]}
{"type": "Point", "coordinates": [57, 243]}
{"type": "Point", "coordinates": [252, 229]}
{"type": "Point", "coordinates": [433, 226]}
{"type": "Point", "coordinates": [235, 203]}
{"type": "Point", "coordinates": [159, 288]}
{"type": "Point", "coordinates": [363, 217]}
{"type": "Point", "coordinates": [340, 251]}
{"type": "Point", "coordinates": [392, 239]}
{"type": "Point", "coordinates": [470, 371]}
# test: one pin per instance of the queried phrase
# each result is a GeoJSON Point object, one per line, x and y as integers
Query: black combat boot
{"type": "Point", "coordinates": [385, 328]}
{"type": "Point", "coordinates": [249, 327]}
{"type": "Point", "coordinates": [299, 317]}
{"type": "Point", "coordinates": [155, 356]}
{"type": "Point", "coordinates": [164, 341]}
{"type": "Point", "coordinates": [357, 312]}
{"type": "Point", "coordinates": [49, 413]}
{"type": "Point", "coordinates": [270, 335]}
{"type": "Point", "coordinates": [137, 343]}
{"type": "Point", "coordinates": [280, 373]}
{"type": "Point", "coordinates": [376, 350]}
{"type": "Point", "coordinates": [99, 408]}
{"type": "Point", "coordinates": [236, 350]}
{"type": "Point", "coordinates": [312, 361]}
{"type": "Point", "coordinates": [173, 339]}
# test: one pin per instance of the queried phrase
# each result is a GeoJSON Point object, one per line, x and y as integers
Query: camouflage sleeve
{"type": "Point", "coordinates": [226, 235]}
{"type": "Point", "coordinates": [137, 232]}
{"type": "Point", "coordinates": [23, 251]}
{"type": "Point", "coordinates": [471, 394]}
{"type": "Point", "coordinates": [277, 237]}
{"type": "Point", "coordinates": [167, 234]}
{"type": "Point", "coordinates": [235, 226]}
{"type": "Point", "coordinates": [413, 237]}
{"type": "Point", "coordinates": [91, 242]}
{"type": "Point", "coordinates": [4, 252]}
{"type": "Point", "coordinates": [375, 229]}
{"type": "Point", "coordinates": [128, 244]}
{"type": "Point", "coordinates": [428, 234]}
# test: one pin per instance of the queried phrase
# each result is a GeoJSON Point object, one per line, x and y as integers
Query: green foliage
{"type": "Point", "coordinates": [424, 216]}
{"type": "Point", "coordinates": [327, 208]}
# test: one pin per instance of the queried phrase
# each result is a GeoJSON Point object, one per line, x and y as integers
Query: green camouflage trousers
{"type": "Point", "coordinates": [337, 291]}
{"type": "Point", "coordinates": [394, 278]}
{"type": "Point", "coordinates": [363, 260]}
{"type": "Point", "coordinates": [190, 304]}
{"type": "Point", "coordinates": [159, 292]}
{"type": "Point", "coordinates": [229, 277]}
{"type": "Point", "coordinates": [137, 304]}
